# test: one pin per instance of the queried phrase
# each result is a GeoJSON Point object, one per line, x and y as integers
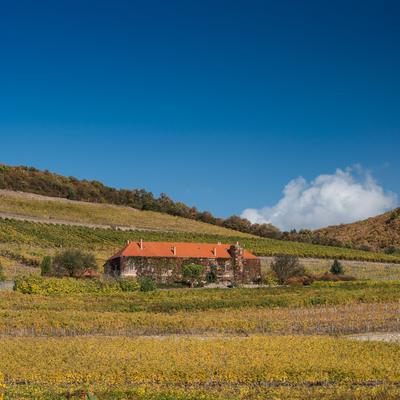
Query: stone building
{"type": "Point", "coordinates": [163, 261]}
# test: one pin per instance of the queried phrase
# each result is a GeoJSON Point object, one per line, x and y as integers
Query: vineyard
{"type": "Point", "coordinates": [214, 344]}
{"type": "Point", "coordinates": [343, 308]}
{"type": "Point", "coordinates": [56, 209]}
{"type": "Point", "coordinates": [75, 339]}
{"type": "Point", "coordinates": [173, 300]}
{"type": "Point", "coordinates": [238, 367]}
{"type": "Point", "coordinates": [39, 239]}
{"type": "Point", "coordinates": [322, 320]}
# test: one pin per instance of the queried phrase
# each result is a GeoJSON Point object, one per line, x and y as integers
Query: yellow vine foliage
{"type": "Point", "coordinates": [2, 386]}
{"type": "Point", "coordinates": [332, 320]}
{"type": "Point", "coordinates": [198, 361]}
{"type": "Point", "coordinates": [219, 392]}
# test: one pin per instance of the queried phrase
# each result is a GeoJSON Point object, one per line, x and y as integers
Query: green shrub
{"type": "Point", "coordinates": [192, 272]}
{"type": "Point", "coordinates": [73, 263]}
{"type": "Point", "coordinates": [392, 250]}
{"type": "Point", "coordinates": [147, 284]}
{"type": "Point", "coordinates": [46, 266]}
{"type": "Point", "coordinates": [337, 268]}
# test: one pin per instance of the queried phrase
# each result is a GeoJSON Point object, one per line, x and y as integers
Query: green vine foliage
{"type": "Point", "coordinates": [90, 239]}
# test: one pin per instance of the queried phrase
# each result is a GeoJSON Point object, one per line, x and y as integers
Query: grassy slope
{"type": "Point", "coordinates": [25, 241]}
{"type": "Point", "coordinates": [377, 232]}
{"type": "Point", "coordinates": [52, 208]}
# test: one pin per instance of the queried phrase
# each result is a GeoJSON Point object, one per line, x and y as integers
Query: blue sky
{"type": "Point", "coordinates": [218, 103]}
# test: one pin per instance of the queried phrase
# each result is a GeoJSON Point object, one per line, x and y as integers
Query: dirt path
{"type": "Point", "coordinates": [54, 221]}
{"type": "Point", "coordinates": [393, 337]}
{"type": "Point", "coordinates": [33, 196]}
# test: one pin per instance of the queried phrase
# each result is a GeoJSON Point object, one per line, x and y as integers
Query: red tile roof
{"type": "Point", "coordinates": [178, 250]}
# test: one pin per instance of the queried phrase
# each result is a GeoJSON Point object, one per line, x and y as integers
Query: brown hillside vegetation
{"type": "Point", "coordinates": [377, 233]}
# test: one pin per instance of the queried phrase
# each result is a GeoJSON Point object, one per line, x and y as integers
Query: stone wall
{"type": "Point", "coordinates": [167, 270]}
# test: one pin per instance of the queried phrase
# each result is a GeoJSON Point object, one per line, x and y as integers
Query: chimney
{"type": "Point", "coordinates": [219, 243]}
{"type": "Point", "coordinates": [215, 252]}
{"type": "Point", "coordinates": [127, 242]}
{"type": "Point", "coordinates": [236, 252]}
{"type": "Point", "coordinates": [174, 250]}
{"type": "Point", "coordinates": [141, 244]}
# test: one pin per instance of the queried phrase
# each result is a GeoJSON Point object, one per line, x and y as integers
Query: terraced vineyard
{"type": "Point", "coordinates": [38, 239]}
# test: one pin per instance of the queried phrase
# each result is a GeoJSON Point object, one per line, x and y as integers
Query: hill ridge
{"type": "Point", "coordinates": [33, 180]}
{"type": "Point", "coordinates": [381, 232]}
{"type": "Point", "coordinates": [37, 208]}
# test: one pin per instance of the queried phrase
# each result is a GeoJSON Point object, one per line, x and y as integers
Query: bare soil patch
{"type": "Point", "coordinates": [379, 336]}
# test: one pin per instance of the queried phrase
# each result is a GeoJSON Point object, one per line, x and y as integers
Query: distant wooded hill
{"type": "Point", "coordinates": [32, 180]}
{"type": "Point", "coordinates": [377, 233]}
{"type": "Point", "coordinates": [380, 233]}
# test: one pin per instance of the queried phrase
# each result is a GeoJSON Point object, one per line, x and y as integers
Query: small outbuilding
{"type": "Point", "coordinates": [163, 261]}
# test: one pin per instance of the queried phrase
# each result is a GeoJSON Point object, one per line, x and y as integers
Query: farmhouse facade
{"type": "Point", "coordinates": [163, 262]}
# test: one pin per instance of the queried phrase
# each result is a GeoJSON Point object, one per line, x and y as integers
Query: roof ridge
{"type": "Point", "coordinates": [210, 243]}
{"type": "Point", "coordinates": [178, 250]}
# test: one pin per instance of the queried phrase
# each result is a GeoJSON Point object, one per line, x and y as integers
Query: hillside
{"type": "Point", "coordinates": [32, 226]}
{"type": "Point", "coordinates": [377, 233]}
{"type": "Point", "coordinates": [32, 180]}
{"type": "Point", "coordinates": [24, 243]}
{"type": "Point", "coordinates": [57, 210]}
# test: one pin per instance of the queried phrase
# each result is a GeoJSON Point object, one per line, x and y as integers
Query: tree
{"type": "Point", "coordinates": [394, 215]}
{"type": "Point", "coordinates": [205, 216]}
{"type": "Point", "coordinates": [265, 230]}
{"type": "Point", "coordinates": [237, 223]}
{"type": "Point", "coordinates": [71, 194]}
{"type": "Point", "coordinates": [192, 272]}
{"type": "Point", "coordinates": [286, 266]}
{"type": "Point", "coordinates": [46, 266]}
{"type": "Point", "coordinates": [73, 263]}
{"type": "Point", "coordinates": [336, 268]}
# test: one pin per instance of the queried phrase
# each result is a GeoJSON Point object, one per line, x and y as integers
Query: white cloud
{"type": "Point", "coordinates": [345, 196]}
